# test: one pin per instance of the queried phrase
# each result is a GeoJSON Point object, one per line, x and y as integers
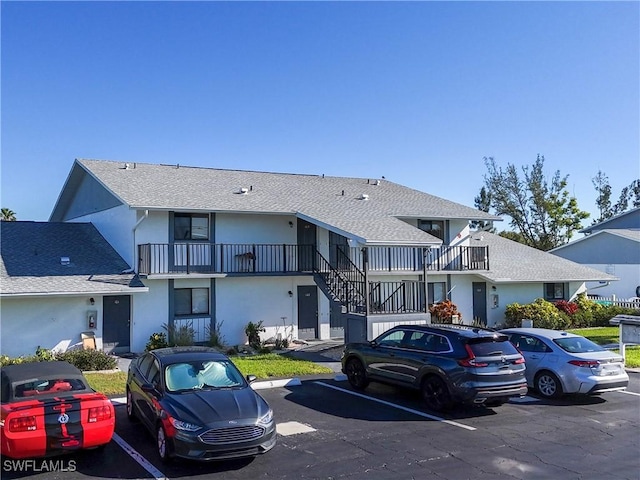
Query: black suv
{"type": "Point", "coordinates": [449, 364]}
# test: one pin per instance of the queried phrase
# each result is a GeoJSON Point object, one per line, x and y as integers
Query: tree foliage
{"type": "Point", "coordinates": [483, 202]}
{"type": "Point", "coordinates": [629, 197]}
{"type": "Point", "coordinates": [7, 215]}
{"type": "Point", "coordinates": [541, 211]}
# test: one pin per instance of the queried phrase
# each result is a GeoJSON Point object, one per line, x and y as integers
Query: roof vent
{"type": "Point", "coordinates": [364, 196]}
{"type": "Point", "coordinates": [65, 261]}
{"type": "Point", "coordinates": [377, 182]}
{"type": "Point", "coordinates": [244, 190]}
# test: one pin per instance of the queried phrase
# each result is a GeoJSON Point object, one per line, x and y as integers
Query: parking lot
{"type": "Point", "coordinates": [327, 430]}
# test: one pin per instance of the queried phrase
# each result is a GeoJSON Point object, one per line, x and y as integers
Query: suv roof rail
{"type": "Point", "coordinates": [458, 326]}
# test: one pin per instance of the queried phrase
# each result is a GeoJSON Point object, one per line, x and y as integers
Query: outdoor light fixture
{"type": "Point", "coordinates": [92, 301]}
{"type": "Point", "coordinates": [290, 293]}
{"type": "Point", "coordinates": [290, 223]}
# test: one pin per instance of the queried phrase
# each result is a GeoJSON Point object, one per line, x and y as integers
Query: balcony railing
{"type": "Point", "coordinates": [218, 258]}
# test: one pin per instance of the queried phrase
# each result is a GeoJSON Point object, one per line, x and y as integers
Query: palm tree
{"type": "Point", "coordinates": [8, 215]}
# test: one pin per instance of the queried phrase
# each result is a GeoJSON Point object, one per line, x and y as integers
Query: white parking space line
{"type": "Point", "coordinates": [399, 407]}
{"type": "Point", "coordinates": [133, 453]}
{"type": "Point", "coordinates": [630, 393]}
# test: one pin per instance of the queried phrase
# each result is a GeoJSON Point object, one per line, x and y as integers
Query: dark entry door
{"type": "Point", "coordinates": [307, 312]}
{"type": "Point", "coordinates": [306, 245]}
{"type": "Point", "coordinates": [116, 335]}
{"type": "Point", "coordinates": [480, 302]}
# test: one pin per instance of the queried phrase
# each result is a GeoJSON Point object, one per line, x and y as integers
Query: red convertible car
{"type": "Point", "coordinates": [48, 408]}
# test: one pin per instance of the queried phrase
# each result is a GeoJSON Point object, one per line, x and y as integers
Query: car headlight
{"type": "Point", "coordinates": [184, 426]}
{"type": "Point", "coordinates": [267, 418]}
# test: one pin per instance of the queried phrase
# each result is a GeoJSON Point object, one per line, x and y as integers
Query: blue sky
{"type": "Point", "coordinates": [418, 92]}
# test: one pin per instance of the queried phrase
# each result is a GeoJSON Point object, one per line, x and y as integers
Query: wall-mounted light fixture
{"type": "Point", "coordinates": [290, 224]}
{"type": "Point", "coordinates": [290, 293]}
{"type": "Point", "coordinates": [92, 301]}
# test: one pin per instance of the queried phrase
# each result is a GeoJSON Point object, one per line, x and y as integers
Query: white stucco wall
{"type": "Point", "coordinates": [243, 300]}
{"type": "Point", "coordinates": [116, 226]}
{"type": "Point", "coordinates": [150, 311]}
{"type": "Point", "coordinates": [48, 322]}
{"type": "Point", "coordinates": [625, 287]}
{"type": "Point", "coordinates": [249, 228]}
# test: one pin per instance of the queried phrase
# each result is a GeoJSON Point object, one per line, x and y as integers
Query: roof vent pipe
{"type": "Point", "coordinates": [364, 196]}
{"type": "Point", "coordinates": [244, 190]}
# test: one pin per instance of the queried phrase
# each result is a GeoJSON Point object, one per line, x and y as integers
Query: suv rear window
{"type": "Point", "coordinates": [489, 346]}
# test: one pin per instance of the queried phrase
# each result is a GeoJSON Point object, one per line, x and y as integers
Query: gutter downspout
{"type": "Point", "coordinates": [133, 231]}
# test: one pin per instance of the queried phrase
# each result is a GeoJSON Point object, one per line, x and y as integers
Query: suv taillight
{"type": "Point", "coordinates": [470, 361]}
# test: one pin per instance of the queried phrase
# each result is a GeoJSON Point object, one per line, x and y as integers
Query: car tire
{"type": "Point", "coordinates": [163, 444]}
{"type": "Point", "coordinates": [548, 385]}
{"type": "Point", "coordinates": [356, 374]}
{"type": "Point", "coordinates": [131, 414]}
{"type": "Point", "coordinates": [436, 394]}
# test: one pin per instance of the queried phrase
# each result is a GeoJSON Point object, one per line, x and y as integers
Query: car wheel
{"type": "Point", "coordinates": [436, 394]}
{"type": "Point", "coordinates": [548, 385]}
{"type": "Point", "coordinates": [356, 374]}
{"type": "Point", "coordinates": [163, 444]}
{"type": "Point", "coordinates": [131, 414]}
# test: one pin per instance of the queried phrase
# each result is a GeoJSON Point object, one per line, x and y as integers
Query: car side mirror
{"type": "Point", "coordinates": [251, 378]}
{"type": "Point", "coordinates": [373, 343]}
{"type": "Point", "coordinates": [148, 387]}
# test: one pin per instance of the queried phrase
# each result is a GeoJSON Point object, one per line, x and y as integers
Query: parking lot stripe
{"type": "Point", "coordinates": [400, 407]}
{"type": "Point", "coordinates": [133, 453]}
{"type": "Point", "coordinates": [630, 393]}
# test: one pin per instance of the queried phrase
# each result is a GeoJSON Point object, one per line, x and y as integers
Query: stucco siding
{"type": "Point", "coordinates": [602, 248]}
{"type": "Point", "coordinates": [48, 322]}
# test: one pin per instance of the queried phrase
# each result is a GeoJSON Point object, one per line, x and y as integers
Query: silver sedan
{"type": "Point", "coordinates": [559, 362]}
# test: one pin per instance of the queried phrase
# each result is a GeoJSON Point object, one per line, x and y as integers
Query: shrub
{"type": "Point", "coordinates": [88, 359]}
{"type": "Point", "coordinates": [181, 336]}
{"type": "Point", "coordinates": [444, 310]}
{"type": "Point", "coordinates": [544, 315]}
{"type": "Point", "coordinates": [253, 330]}
{"type": "Point", "coordinates": [567, 307]}
{"type": "Point", "coordinates": [216, 339]}
{"type": "Point", "coordinates": [157, 340]}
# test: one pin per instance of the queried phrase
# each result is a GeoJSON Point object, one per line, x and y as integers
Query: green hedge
{"type": "Point", "coordinates": [85, 360]}
{"type": "Point", "coordinates": [586, 313]}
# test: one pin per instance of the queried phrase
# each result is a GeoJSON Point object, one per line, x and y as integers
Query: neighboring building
{"type": "Point", "coordinates": [613, 247]}
{"type": "Point", "coordinates": [311, 256]}
{"type": "Point", "coordinates": [58, 280]}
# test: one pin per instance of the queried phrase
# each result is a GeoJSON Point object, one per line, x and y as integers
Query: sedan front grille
{"type": "Point", "coordinates": [221, 436]}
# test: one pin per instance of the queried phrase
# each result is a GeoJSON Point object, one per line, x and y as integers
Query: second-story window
{"type": "Point", "coordinates": [188, 226]}
{"type": "Point", "coordinates": [191, 301]}
{"type": "Point", "coordinates": [433, 227]}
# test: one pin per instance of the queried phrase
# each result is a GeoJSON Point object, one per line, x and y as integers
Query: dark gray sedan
{"type": "Point", "coordinates": [197, 405]}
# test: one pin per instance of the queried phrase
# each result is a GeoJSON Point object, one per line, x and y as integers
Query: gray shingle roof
{"type": "Point", "coordinates": [511, 261]}
{"type": "Point", "coordinates": [31, 253]}
{"type": "Point", "coordinates": [336, 202]}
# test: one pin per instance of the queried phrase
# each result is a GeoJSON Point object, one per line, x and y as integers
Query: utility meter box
{"type": "Point", "coordinates": [92, 319]}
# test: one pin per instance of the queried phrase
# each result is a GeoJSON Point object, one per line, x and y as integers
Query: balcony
{"type": "Point", "coordinates": [251, 259]}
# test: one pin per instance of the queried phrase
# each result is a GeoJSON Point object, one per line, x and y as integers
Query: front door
{"type": "Point", "coordinates": [480, 302]}
{"type": "Point", "coordinates": [116, 336]}
{"type": "Point", "coordinates": [307, 312]}
{"type": "Point", "coordinates": [306, 245]}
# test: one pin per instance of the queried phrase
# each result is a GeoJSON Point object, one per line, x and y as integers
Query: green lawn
{"type": "Point", "coordinates": [262, 366]}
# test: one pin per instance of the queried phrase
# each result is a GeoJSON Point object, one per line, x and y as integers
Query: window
{"type": "Point", "coordinates": [437, 292]}
{"type": "Point", "coordinates": [190, 226]}
{"type": "Point", "coordinates": [191, 301]}
{"type": "Point", "coordinates": [433, 227]}
{"type": "Point", "coordinates": [392, 339]}
{"type": "Point", "coordinates": [554, 291]}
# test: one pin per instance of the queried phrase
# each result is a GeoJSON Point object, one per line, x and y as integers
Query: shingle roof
{"type": "Point", "coordinates": [31, 261]}
{"type": "Point", "coordinates": [514, 262]}
{"type": "Point", "coordinates": [336, 202]}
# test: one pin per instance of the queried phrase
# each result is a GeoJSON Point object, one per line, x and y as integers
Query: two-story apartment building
{"type": "Point", "coordinates": [311, 256]}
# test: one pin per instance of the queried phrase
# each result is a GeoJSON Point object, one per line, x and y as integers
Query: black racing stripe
{"type": "Point", "coordinates": [63, 423]}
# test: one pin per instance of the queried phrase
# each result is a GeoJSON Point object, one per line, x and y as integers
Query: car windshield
{"type": "Point", "coordinates": [577, 345]}
{"type": "Point", "coordinates": [202, 374]}
{"type": "Point", "coordinates": [41, 386]}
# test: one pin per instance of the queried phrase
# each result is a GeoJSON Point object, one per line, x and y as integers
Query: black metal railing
{"type": "Point", "coordinates": [346, 285]}
{"type": "Point", "coordinates": [197, 257]}
{"type": "Point", "coordinates": [397, 297]}
{"type": "Point", "coordinates": [414, 259]}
